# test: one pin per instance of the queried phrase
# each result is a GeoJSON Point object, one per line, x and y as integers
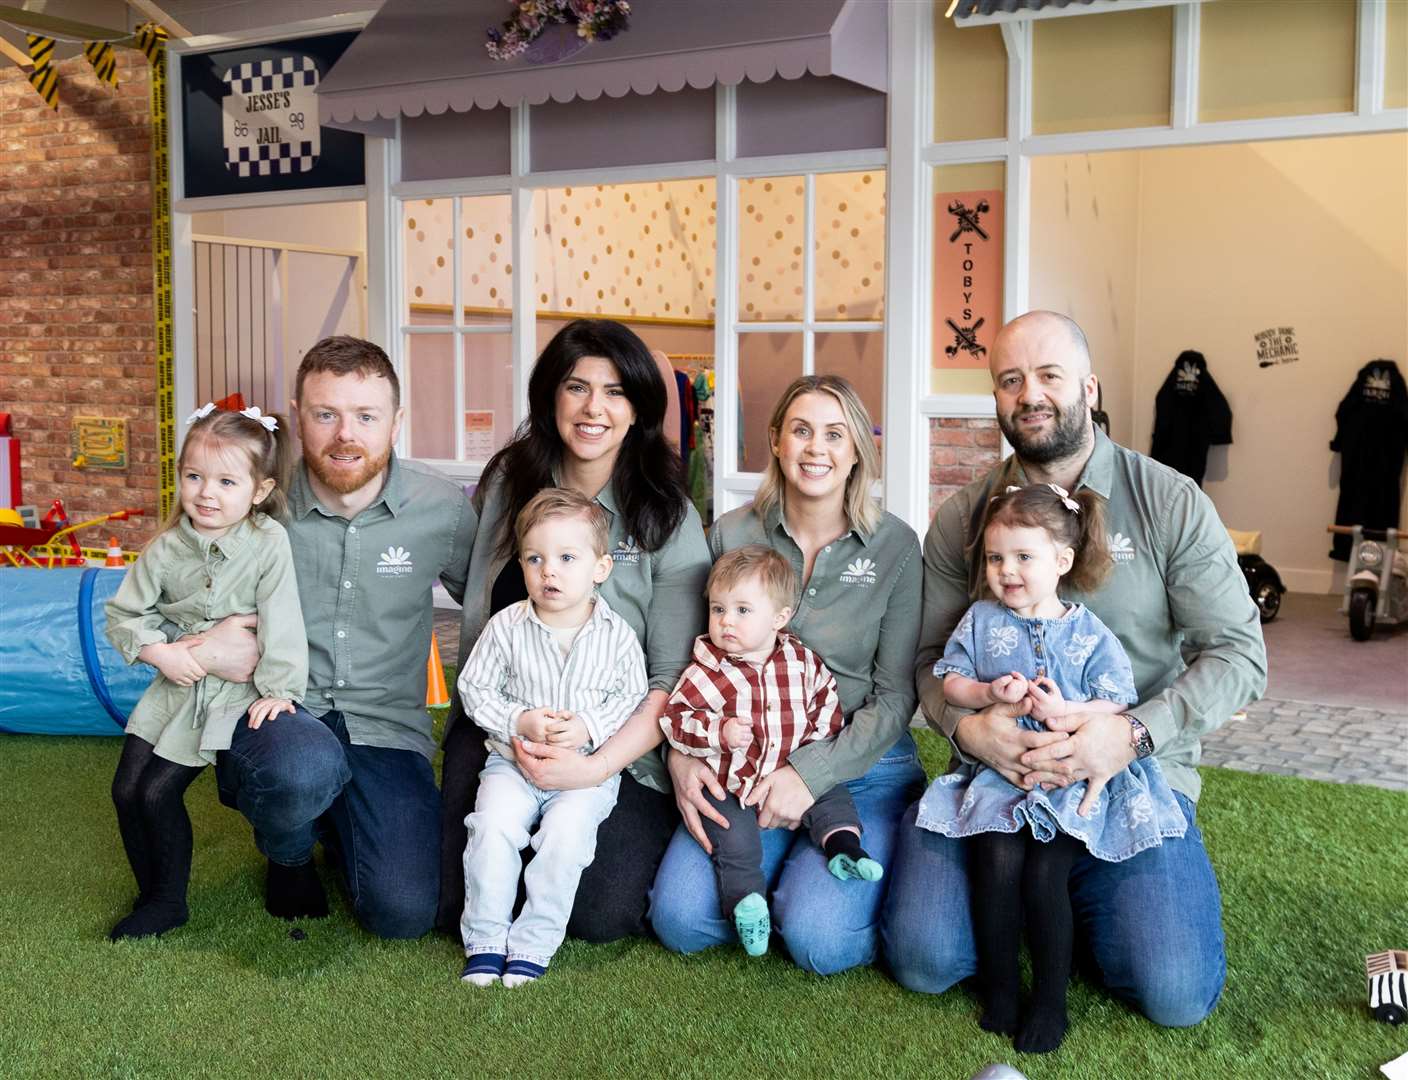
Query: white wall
{"type": "Point", "coordinates": [1311, 234]}
{"type": "Point", "coordinates": [1157, 251]}
{"type": "Point", "coordinates": [1085, 263]}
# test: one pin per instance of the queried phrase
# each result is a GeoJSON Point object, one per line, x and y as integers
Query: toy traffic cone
{"type": "Point", "coordinates": [114, 553]}
{"type": "Point", "coordinates": [437, 695]}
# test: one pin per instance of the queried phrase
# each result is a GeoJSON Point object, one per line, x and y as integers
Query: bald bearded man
{"type": "Point", "coordinates": [1178, 603]}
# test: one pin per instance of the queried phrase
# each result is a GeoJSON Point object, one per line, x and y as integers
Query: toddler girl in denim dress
{"type": "Point", "coordinates": [1029, 647]}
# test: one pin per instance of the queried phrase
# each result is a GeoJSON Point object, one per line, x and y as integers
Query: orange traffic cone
{"type": "Point", "coordinates": [114, 553]}
{"type": "Point", "coordinates": [437, 694]}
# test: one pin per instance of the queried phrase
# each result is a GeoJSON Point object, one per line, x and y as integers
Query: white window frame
{"type": "Point", "coordinates": [731, 486]}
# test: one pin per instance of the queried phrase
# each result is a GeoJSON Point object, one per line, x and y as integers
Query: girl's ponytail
{"type": "Point", "coordinates": [277, 462]}
{"type": "Point", "coordinates": [1092, 563]}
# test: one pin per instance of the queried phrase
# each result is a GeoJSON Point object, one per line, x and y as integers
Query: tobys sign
{"type": "Point", "coordinates": [967, 276]}
{"type": "Point", "coordinates": [250, 120]}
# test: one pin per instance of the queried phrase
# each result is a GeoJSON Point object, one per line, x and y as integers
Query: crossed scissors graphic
{"type": "Point", "coordinates": [968, 219]}
{"type": "Point", "coordinates": [965, 338]}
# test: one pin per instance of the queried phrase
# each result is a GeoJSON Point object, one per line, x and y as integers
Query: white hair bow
{"type": "Point", "coordinates": [270, 424]}
{"type": "Point", "coordinates": [1071, 504]}
{"type": "Point", "coordinates": [1065, 496]}
{"type": "Point", "coordinates": [201, 413]}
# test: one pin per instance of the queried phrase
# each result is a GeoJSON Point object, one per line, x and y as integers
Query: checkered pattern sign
{"type": "Point", "coordinates": [271, 117]}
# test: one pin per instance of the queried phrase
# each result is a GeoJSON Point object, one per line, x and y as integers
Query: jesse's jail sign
{"type": "Point", "coordinates": [250, 120]}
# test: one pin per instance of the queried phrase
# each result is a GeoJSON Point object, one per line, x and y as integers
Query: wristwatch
{"type": "Point", "coordinates": [1139, 737]}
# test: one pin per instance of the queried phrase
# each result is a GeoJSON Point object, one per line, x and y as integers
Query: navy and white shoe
{"type": "Point", "coordinates": [522, 972]}
{"type": "Point", "coordinates": [483, 969]}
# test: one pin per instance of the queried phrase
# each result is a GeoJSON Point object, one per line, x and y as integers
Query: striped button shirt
{"type": "Point", "coordinates": [516, 666]}
{"type": "Point", "coordinates": [790, 699]}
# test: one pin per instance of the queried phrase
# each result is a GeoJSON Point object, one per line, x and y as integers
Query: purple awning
{"type": "Point", "coordinates": [420, 56]}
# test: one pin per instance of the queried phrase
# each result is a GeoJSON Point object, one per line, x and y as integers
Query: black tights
{"type": "Point", "coordinates": [1016, 878]}
{"type": "Point", "coordinates": [149, 794]}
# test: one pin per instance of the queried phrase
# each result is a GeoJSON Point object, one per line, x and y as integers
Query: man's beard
{"type": "Point", "coordinates": [342, 480]}
{"type": "Point", "coordinates": [1066, 437]}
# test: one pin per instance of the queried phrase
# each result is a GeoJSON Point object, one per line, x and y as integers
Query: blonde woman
{"type": "Point", "coordinates": [858, 608]}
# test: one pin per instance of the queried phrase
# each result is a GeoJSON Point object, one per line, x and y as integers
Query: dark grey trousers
{"type": "Point", "coordinates": [738, 850]}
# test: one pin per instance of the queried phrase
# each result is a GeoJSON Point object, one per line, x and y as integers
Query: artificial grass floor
{"type": "Point", "coordinates": [1313, 876]}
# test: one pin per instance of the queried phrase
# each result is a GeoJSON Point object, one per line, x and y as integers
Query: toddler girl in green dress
{"type": "Point", "coordinates": [222, 553]}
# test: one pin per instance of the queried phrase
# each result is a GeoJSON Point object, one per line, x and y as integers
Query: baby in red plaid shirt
{"type": "Point", "coordinates": [753, 694]}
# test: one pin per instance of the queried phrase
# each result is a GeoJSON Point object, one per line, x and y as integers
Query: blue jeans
{"type": "Point", "coordinates": [1153, 922]}
{"type": "Point", "coordinates": [564, 844]}
{"type": "Point", "coordinates": [380, 811]}
{"type": "Point", "coordinates": [828, 925]}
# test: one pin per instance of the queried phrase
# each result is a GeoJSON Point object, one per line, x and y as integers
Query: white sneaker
{"type": "Point", "coordinates": [480, 978]}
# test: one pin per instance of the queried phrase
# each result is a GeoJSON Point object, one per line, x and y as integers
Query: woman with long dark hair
{"type": "Point", "coordinates": [596, 407]}
{"type": "Point", "coordinates": [857, 608]}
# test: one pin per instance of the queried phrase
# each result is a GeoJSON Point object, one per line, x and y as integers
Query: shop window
{"type": "Point", "coordinates": [767, 363]}
{"type": "Point", "coordinates": [642, 254]}
{"type": "Point", "coordinates": [771, 233]}
{"type": "Point", "coordinates": [970, 81]}
{"type": "Point", "coordinates": [1295, 60]}
{"type": "Point", "coordinates": [811, 293]}
{"type": "Point", "coordinates": [458, 352]}
{"type": "Point", "coordinates": [1102, 72]}
{"type": "Point", "coordinates": [850, 247]}
{"type": "Point", "coordinates": [968, 273]}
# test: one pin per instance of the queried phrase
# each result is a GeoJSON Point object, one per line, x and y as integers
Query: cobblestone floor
{"type": "Point", "coordinates": [1320, 742]}
{"type": "Point", "coordinates": [1290, 738]}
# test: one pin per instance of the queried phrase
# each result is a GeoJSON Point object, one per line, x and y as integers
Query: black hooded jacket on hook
{"type": "Point", "coordinates": [1190, 414]}
{"type": "Point", "coordinates": [1371, 435]}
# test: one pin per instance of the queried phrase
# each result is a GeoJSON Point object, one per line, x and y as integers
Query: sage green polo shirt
{"type": "Point", "coordinates": [365, 587]}
{"type": "Point", "coordinates": [859, 611]}
{"type": "Point", "coordinates": [1175, 598]}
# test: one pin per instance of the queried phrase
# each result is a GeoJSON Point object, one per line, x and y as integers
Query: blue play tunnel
{"type": "Point", "coordinates": [58, 674]}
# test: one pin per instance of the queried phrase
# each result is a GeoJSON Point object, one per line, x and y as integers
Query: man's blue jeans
{"type": "Point", "coordinates": [828, 925]}
{"type": "Point", "coordinates": [1152, 922]}
{"type": "Point", "coordinates": [381, 806]}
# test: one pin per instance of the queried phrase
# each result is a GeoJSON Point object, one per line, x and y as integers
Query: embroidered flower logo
{"type": "Point", "coordinates": [965, 624]}
{"type": "Point", "coordinates": [1121, 548]}
{"type": "Point", "coordinates": [625, 551]}
{"type": "Point", "coordinates": [1108, 684]}
{"type": "Point", "coordinates": [1002, 640]}
{"type": "Point", "coordinates": [859, 572]}
{"type": "Point", "coordinates": [1079, 648]}
{"type": "Point", "coordinates": [394, 562]}
{"type": "Point", "coordinates": [1138, 809]}
{"type": "Point", "coordinates": [1188, 376]}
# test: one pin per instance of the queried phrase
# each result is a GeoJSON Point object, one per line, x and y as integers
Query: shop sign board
{"type": "Point", "coordinates": [967, 276]}
{"type": "Point", "coordinates": [478, 434]}
{"type": "Point", "coordinates": [250, 120]}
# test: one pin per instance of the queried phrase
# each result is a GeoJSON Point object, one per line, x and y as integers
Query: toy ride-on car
{"type": "Point", "coordinates": [1262, 580]}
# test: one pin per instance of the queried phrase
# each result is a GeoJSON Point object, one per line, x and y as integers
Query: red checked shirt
{"type": "Point", "coordinates": [790, 699]}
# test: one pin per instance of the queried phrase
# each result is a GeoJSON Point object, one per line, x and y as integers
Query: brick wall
{"type": "Point", "coordinates": [960, 451]}
{"type": "Point", "coordinates": [76, 335]}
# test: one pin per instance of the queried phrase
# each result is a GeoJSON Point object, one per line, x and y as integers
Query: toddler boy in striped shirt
{"type": "Point", "coordinates": [562, 668]}
{"type": "Point", "coordinates": [752, 695]}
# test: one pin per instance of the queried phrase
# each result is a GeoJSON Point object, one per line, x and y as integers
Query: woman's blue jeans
{"type": "Point", "coordinates": [828, 925]}
{"type": "Point", "coordinates": [1153, 922]}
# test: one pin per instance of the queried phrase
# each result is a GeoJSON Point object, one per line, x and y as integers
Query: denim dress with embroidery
{"type": "Point", "coordinates": [1085, 660]}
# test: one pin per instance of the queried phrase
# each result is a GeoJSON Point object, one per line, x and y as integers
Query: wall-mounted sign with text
{"type": "Point", "coordinates": [967, 276]}
{"type": "Point", "coordinates": [250, 120]}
